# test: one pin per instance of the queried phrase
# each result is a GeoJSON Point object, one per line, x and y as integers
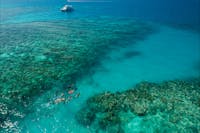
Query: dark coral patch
{"type": "Point", "coordinates": [171, 103]}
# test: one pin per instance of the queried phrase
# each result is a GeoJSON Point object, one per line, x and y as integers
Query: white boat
{"type": "Point", "coordinates": [67, 8]}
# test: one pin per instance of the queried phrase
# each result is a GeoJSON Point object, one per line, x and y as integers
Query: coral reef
{"type": "Point", "coordinates": [35, 56]}
{"type": "Point", "coordinates": [171, 106]}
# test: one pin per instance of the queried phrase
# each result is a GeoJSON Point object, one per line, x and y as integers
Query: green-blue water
{"type": "Point", "coordinates": [84, 71]}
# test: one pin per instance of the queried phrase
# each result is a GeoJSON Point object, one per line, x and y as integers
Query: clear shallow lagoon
{"type": "Point", "coordinates": [101, 49]}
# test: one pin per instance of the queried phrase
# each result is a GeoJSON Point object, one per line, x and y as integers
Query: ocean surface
{"type": "Point", "coordinates": [52, 62]}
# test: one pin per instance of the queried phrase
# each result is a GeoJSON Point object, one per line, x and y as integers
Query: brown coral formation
{"type": "Point", "coordinates": [174, 104]}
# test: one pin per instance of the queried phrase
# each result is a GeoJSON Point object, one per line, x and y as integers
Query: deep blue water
{"type": "Point", "coordinates": [168, 11]}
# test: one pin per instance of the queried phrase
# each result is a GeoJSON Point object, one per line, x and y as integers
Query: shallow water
{"type": "Point", "coordinates": [97, 49]}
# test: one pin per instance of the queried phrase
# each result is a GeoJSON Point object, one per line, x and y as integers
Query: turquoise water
{"type": "Point", "coordinates": [52, 62]}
